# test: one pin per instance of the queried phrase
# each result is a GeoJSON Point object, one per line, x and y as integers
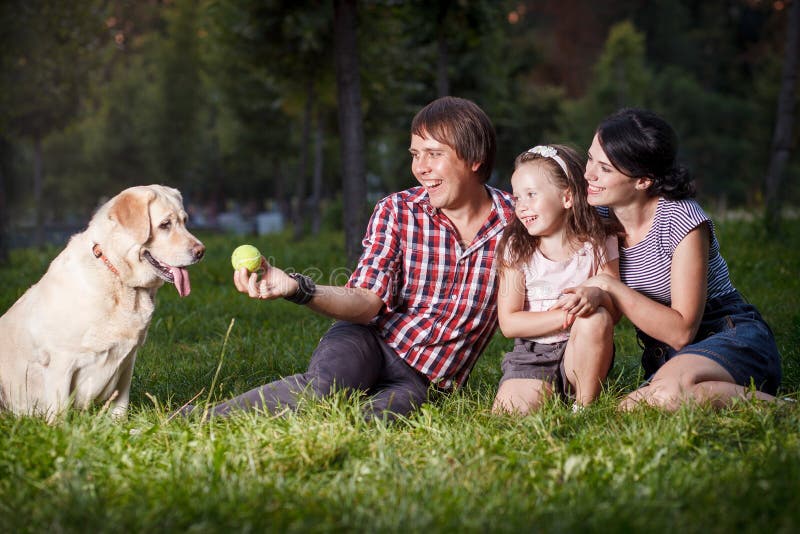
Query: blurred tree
{"type": "Point", "coordinates": [718, 135]}
{"type": "Point", "coordinates": [114, 143]}
{"type": "Point", "coordinates": [283, 64]}
{"type": "Point", "coordinates": [621, 75]}
{"type": "Point", "coordinates": [254, 138]}
{"type": "Point", "coordinates": [716, 129]}
{"type": "Point", "coordinates": [421, 50]}
{"type": "Point", "coordinates": [181, 97]}
{"type": "Point", "coordinates": [434, 27]}
{"type": "Point", "coordinates": [303, 40]}
{"type": "Point", "coordinates": [621, 79]}
{"type": "Point", "coordinates": [5, 157]}
{"type": "Point", "coordinates": [501, 63]}
{"type": "Point", "coordinates": [234, 100]}
{"type": "Point", "coordinates": [125, 144]}
{"type": "Point", "coordinates": [314, 205]}
{"type": "Point", "coordinates": [49, 48]}
{"type": "Point", "coordinates": [458, 37]}
{"type": "Point", "coordinates": [395, 81]}
{"type": "Point", "coordinates": [784, 119]}
{"type": "Point", "coordinates": [351, 127]}
{"type": "Point", "coordinates": [715, 80]}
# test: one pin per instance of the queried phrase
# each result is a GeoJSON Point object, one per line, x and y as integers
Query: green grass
{"type": "Point", "coordinates": [450, 466]}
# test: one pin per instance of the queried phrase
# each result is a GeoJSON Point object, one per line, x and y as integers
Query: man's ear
{"type": "Point", "coordinates": [475, 166]}
{"type": "Point", "coordinates": [131, 211]}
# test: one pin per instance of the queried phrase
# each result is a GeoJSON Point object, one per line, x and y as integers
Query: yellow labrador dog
{"type": "Point", "coordinates": [71, 339]}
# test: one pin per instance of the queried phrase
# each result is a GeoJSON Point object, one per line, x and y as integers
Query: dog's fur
{"type": "Point", "coordinates": [71, 339]}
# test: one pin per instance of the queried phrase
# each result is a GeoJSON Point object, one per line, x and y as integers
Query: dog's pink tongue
{"type": "Point", "coordinates": [182, 283]}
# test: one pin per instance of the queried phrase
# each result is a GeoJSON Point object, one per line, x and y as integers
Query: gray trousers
{"type": "Point", "coordinates": [350, 357]}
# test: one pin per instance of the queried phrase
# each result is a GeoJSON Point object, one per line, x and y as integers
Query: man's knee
{"type": "Point", "coordinates": [348, 356]}
{"type": "Point", "coordinates": [390, 402]}
{"type": "Point", "coordinates": [308, 384]}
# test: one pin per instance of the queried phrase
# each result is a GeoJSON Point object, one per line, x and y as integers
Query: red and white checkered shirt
{"type": "Point", "coordinates": [440, 299]}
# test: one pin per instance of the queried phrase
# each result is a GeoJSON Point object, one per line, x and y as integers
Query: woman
{"type": "Point", "coordinates": [701, 340]}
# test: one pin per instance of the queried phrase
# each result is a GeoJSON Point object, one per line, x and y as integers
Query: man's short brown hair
{"type": "Point", "coordinates": [463, 126]}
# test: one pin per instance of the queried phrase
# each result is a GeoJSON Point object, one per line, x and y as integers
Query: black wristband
{"type": "Point", "coordinates": [306, 289]}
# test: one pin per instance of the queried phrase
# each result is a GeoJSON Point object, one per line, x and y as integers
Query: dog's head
{"type": "Point", "coordinates": [143, 232]}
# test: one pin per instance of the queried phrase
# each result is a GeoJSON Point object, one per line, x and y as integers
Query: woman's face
{"type": "Point", "coordinates": [606, 185]}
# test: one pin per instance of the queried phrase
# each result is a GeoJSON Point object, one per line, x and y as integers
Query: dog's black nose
{"type": "Point", "coordinates": [198, 250]}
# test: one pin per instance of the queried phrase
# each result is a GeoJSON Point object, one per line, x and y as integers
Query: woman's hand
{"type": "Point", "coordinates": [580, 301]}
{"type": "Point", "coordinates": [602, 281]}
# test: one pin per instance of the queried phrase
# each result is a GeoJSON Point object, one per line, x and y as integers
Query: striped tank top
{"type": "Point", "coordinates": [646, 266]}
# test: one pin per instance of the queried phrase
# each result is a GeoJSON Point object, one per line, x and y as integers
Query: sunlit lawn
{"type": "Point", "coordinates": [451, 466]}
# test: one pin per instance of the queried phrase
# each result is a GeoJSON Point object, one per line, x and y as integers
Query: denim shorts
{"type": "Point", "coordinates": [733, 334]}
{"type": "Point", "coordinates": [541, 361]}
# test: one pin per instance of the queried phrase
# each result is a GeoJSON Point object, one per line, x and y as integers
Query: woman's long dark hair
{"type": "Point", "coordinates": [640, 144]}
{"type": "Point", "coordinates": [584, 224]}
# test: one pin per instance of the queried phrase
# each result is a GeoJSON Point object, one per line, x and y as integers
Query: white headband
{"type": "Point", "coordinates": [550, 152]}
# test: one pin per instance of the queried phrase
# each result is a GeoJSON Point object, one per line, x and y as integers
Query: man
{"type": "Point", "coordinates": [420, 307]}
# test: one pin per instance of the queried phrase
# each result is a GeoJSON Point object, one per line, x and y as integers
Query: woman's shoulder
{"type": "Point", "coordinates": [684, 208]}
{"type": "Point", "coordinates": [676, 218]}
{"type": "Point", "coordinates": [673, 215]}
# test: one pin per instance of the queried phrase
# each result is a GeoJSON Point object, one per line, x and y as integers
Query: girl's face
{"type": "Point", "coordinates": [540, 205]}
{"type": "Point", "coordinates": [606, 185]}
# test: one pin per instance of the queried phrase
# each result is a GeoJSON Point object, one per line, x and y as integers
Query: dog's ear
{"type": "Point", "coordinates": [131, 211]}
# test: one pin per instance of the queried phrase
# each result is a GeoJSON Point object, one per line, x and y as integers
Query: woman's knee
{"type": "Point", "coordinates": [666, 393]}
{"type": "Point", "coordinates": [688, 370]}
{"type": "Point", "coordinates": [678, 380]}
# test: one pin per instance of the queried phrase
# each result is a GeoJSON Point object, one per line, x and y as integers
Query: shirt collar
{"type": "Point", "coordinates": [501, 202]}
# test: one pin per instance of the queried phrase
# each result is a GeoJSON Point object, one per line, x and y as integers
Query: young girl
{"type": "Point", "coordinates": [702, 341]}
{"type": "Point", "coordinates": [564, 332]}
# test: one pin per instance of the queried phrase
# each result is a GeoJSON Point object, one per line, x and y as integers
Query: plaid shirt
{"type": "Point", "coordinates": [440, 300]}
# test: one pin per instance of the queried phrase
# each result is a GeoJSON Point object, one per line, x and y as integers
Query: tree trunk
{"type": "Point", "coordinates": [782, 139]}
{"type": "Point", "coordinates": [351, 128]}
{"type": "Point", "coordinates": [4, 150]}
{"type": "Point", "coordinates": [442, 63]}
{"type": "Point", "coordinates": [300, 209]}
{"type": "Point", "coordinates": [283, 198]}
{"type": "Point", "coordinates": [38, 189]}
{"type": "Point", "coordinates": [316, 181]}
{"type": "Point", "coordinates": [442, 52]}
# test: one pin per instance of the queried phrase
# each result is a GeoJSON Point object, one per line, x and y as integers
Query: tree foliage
{"type": "Point", "coordinates": [235, 101]}
{"type": "Point", "coordinates": [621, 79]}
{"type": "Point", "coordinates": [49, 51]}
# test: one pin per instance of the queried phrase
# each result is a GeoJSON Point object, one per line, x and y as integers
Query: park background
{"type": "Point", "coordinates": [242, 104]}
{"type": "Point", "coordinates": [247, 107]}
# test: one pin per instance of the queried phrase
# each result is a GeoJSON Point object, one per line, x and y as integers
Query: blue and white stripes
{"type": "Point", "coordinates": [646, 266]}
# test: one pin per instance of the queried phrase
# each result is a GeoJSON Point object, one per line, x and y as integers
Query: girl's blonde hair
{"type": "Point", "coordinates": [583, 223]}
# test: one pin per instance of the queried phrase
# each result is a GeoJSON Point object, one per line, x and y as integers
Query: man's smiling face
{"type": "Point", "coordinates": [437, 167]}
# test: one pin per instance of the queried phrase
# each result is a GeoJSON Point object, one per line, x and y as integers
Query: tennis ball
{"type": "Point", "coordinates": [246, 256]}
